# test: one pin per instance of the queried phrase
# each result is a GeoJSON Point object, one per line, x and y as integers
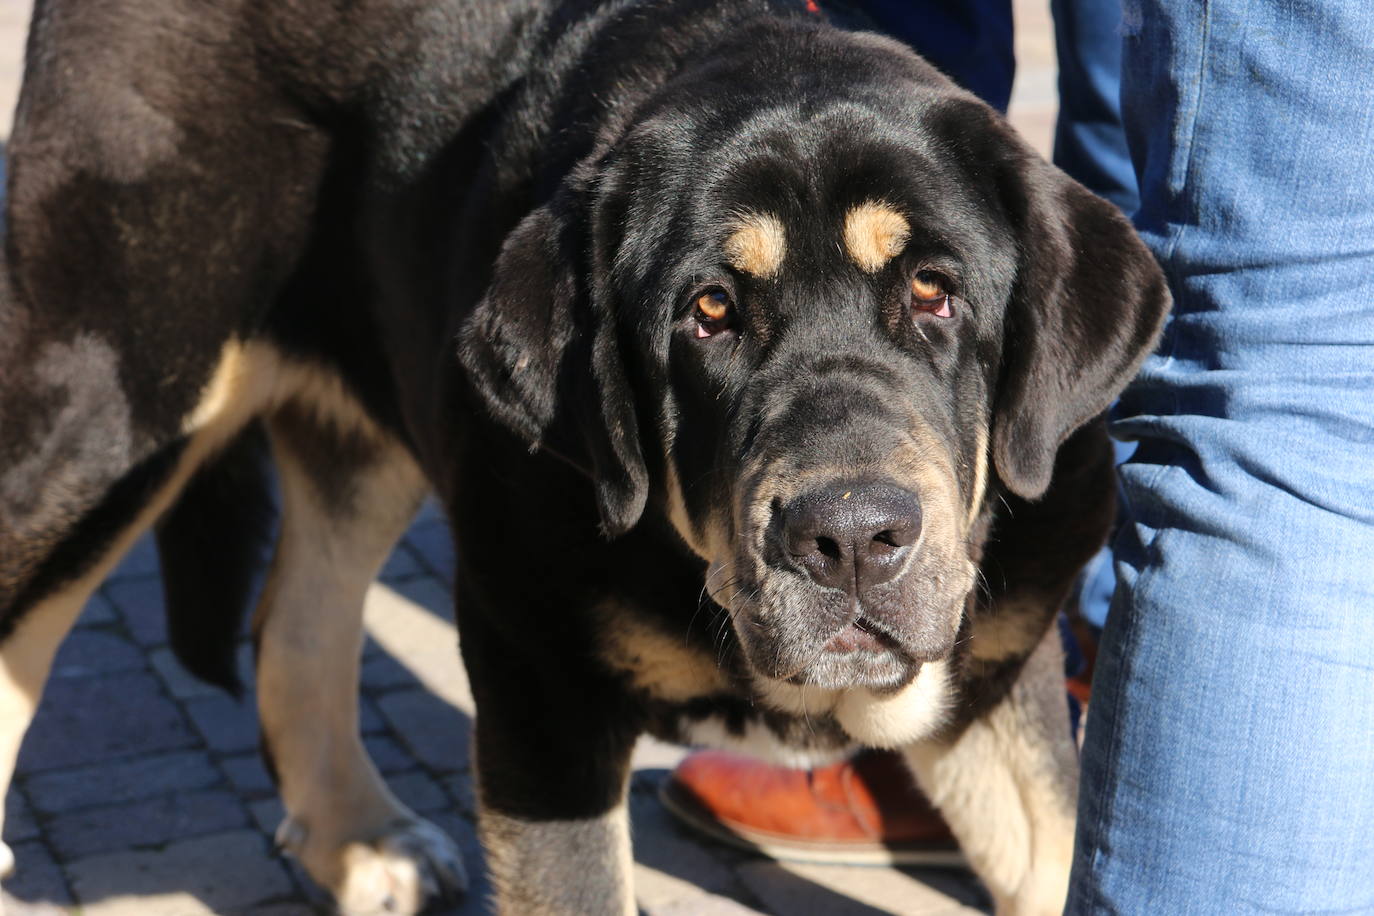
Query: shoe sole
{"type": "Point", "coordinates": [692, 815]}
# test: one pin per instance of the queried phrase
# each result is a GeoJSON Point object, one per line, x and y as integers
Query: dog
{"type": "Point", "coordinates": [758, 368]}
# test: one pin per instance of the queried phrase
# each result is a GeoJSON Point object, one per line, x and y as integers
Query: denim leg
{"type": "Point", "coordinates": [1089, 142]}
{"type": "Point", "coordinates": [969, 40]}
{"type": "Point", "coordinates": [1229, 757]}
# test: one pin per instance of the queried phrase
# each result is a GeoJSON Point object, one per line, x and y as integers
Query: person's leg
{"type": "Point", "coordinates": [969, 40]}
{"type": "Point", "coordinates": [1089, 142]}
{"type": "Point", "coordinates": [1230, 740]}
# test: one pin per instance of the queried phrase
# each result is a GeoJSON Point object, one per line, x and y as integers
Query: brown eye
{"type": "Point", "coordinates": [929, 294]}
{"type": "Point", "coordinates": [714, 313]}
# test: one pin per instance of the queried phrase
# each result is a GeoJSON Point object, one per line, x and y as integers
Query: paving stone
{"type": "Point", "coordinates": [154, 821]}
{"type": "Point", "coordinates": [433, 730]}
{"type": "Point", "coordinates": [115, 782]}
{"type": "Point", "coordinates": [37, 878]}
{"type": "Point", "coordinates": [99, 612]}
{"type": "Point", "coordinates": [228, 725]}
{"type": "Point", "coordinates": [140, 562]}
{"type": "Point", "coordinates": [430, 511]}
{"type": "Point", "coordinates": [411, 621]}
{"type": "Point", "coordinates": [277, 909]}
{"type": "Point", "coordinates": [248, 775]}
{"type": "Point", "coordinates": [477, 900]}
{"type": "Point", "coordinates": [402, 564]}
{"type": "Point", "coordinates": [418, 792]}
{"type": "Point", "coordinates": [703, 905]}
{"type": "Point", "coordinates": [387, 755]}
{"type": "Point", "coordinates": [833, 890]}
{"type": "Point", "coordinates": [381, 671]}
{"type": "Point", "coordinates": [432, 541]}
{"type": "Point", "coordinates": [667, 859]}
{"type": "Point", "coordinates": [184, 685]}
{"type": "Point", "coordinates": [267, 814]}
{"type": "Point", "coordinates": [19, 822]}
{"type": "Point", "coordinates": [212, 874]}
{"type": "Point", "coordinates": [370, 720]}
{"type": "Point", "coordinates": [12, 906]}
{"type": "Point", "coordinates": [88, 651]}
{"type": "Point", "coordinates": [139, 602]}
{"type": "Point", "coordinates": [463, 791]}
{"type": "Point", "coordinates": [84, 720]}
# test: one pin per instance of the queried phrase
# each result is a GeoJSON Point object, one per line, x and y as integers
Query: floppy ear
{"type": "Point", "coordinates": [545, 358]}
{"type": "Point", "coordinates": [1086, 308]}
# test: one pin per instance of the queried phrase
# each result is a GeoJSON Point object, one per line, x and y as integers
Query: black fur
{"type": "Point", "coordinates": [211, 546]}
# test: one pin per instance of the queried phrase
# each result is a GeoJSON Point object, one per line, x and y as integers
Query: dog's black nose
{"type": "Point", "coordinates": [852, 535]}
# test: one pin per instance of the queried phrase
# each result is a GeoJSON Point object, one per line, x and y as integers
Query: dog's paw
{"type": "Point", "coordinates": [410, 866]}
{"type": "Point", "coordinates": [402, 872]}
{"type": "Point", "coordinates": [6, 867]}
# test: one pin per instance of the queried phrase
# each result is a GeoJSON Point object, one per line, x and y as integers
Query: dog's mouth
{"type": "Point", "coordinates": [861, 635]}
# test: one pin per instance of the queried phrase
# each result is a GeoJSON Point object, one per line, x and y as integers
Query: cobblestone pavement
{"type": "Point", "coordinates": [140, 792]}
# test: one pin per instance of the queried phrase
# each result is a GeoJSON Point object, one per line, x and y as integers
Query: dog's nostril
{"type": "Point", "coordinates": [828, 547]}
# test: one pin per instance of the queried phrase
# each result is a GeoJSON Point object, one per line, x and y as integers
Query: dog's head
{"type": "Point", "coordinates": [808, 302]}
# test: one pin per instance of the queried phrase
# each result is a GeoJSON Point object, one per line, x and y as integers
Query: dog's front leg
{"type": "Point", "coordinates": [1007, 785]}
{"type": "Point", "coordinates": [553, 745]}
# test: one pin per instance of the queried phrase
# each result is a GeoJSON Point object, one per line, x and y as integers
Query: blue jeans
{"type": "Point", "coordinates": [1229, 757]}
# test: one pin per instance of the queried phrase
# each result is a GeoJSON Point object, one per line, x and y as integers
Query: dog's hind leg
{"type": "Point", "coordinates": [43, 608]}
{"type": "Point", "coordinates": [348, 491]}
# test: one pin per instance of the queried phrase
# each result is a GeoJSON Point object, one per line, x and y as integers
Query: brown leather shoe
{"type": "Point", "coordinates": [865, 811]}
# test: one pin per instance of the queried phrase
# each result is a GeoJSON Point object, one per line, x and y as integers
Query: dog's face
{"type": "Point", "coordinates": [818, 318]}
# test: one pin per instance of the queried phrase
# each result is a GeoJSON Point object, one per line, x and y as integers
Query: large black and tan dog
{"type": "Point", "coordinates": [755, 364]}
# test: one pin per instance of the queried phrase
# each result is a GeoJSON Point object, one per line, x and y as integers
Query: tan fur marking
{"type": "Point", "coordinates": [980, 478]}
{"type": "Point", "coordinates": [874, 234]}
{"type": "Point", "coordinates": [757, 245]}
{"type": "Point", "coordinates": [656, 662]}
{"type": "Point", "coordinates": [1011, 631]}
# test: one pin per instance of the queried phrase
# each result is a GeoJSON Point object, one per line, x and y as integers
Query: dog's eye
{"type": "Point", "coordinates": [714, 313]}
{"type": "Point", "coordinates": [930, 294]}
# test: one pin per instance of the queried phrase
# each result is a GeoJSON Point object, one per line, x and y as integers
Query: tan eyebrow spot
{"type": "Point", "coordinates": [758, 244]}
{"type": "Point", "coordinates": [874, 233]}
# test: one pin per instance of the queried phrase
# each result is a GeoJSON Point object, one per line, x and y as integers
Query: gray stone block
{"type": "Point", "coordinates": [834, 890]}
{"type": "Point", "coordinates": [402, 564]}
{"type": "Point", "coordinates": [19, 822]}
{"type": "Point", "coordinates": [140, 562]}
{"type": "Point", "coordinates": [88, 652]}
{"type": "Point", "coordinates": [387, 755]}
{"type": "Point", "coordinates": [99, 612]}
{"type": "Point", "coordinates": [37, 878]}
{"type": "Point", "coordinates": [84, 720]}
{"type": "Point", "coordinates": [668, 858]}
{"type": "Point", "coordinates": [139, 602]}
{"type": "Point", "coordinates": [121, 781]}
{"type": "Point", "coordinates": [381, 671]}
{"type": "Point", "coordinates": [248, 775]}
{"type": "Point", "coordinates": [184, 685]}
{"type": "Point", "coordinates": [267, 814]}
{"type": "Point", "coordinates": [433, 730]}
{"type": "Point", "coordinates": [216, 874]}
{"type": "Point", "coordinates": [431, 541]}
{"type": "Point", "coordinates": [229, 726]}
{"type": "Point", "coordinates": [418, 792]}
{"type": "Point", "coordinates": [701, 905]}
{"type": "Point", "coordinates": [154, 821]}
